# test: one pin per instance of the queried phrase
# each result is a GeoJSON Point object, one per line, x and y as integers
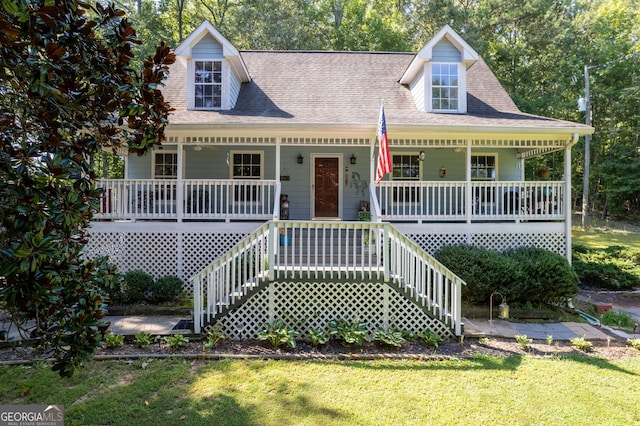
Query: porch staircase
{"type": "Point", "coordinates": [321, 259]}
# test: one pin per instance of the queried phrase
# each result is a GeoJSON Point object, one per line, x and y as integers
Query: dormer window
{"type": "Point", "coordinates": [444, 87]}
{"type": "Point", "coordinates": [208, 84]}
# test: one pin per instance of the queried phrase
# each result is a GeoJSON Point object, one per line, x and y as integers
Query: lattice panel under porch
{"type": "Point", "coordinates": [158, 254]}
{"type": "Point", "coordinates": [305, 305]}
{"type": "Point", "coordinates": [551, 241]}
{"type": "Point", "coordinates": [152, 252]}
{"type": "Point", "coordinates": [202, 248]}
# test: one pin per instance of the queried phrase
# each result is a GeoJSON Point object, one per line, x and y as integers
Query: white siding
{"type": "Point", "coordinates": [207, 48]}
{"type": "Point", "coordinates": [418, 91]}
{"type": "Point", "coordinates": [234, 87]}
{"type": "Point", "coordinates": [444, 51]}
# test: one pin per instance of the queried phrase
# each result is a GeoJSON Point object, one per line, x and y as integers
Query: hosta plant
{"type": "Point", "coordinates": [278, 333]}
{"type": "Point", "coordinates": [143, 339]}
{"type": "Point", "coordinates": [349, 332]}
{"type": "Point", "coordinates": [176, 341]}
{"type": "Point", "coordinates": [581, 343]}
{"type": "Point", "coordinates": [389, 337]}
{"type": "Point", "coordinates": [430, 338]}
{"type": "Point", "coordinates": [213, 336]}
{"type": "Point", "coordinates": [318, 336]}
{"type": "Point", "coordinates": [112, 341]}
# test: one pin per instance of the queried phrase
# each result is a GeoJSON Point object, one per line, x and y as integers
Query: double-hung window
{"type": "Point", "coordinates": [208, 84]}
{"type": "Point", "coordinates": [165, 165]}
{"type": "Point", "coordinates": [445, 87]}
{"type": "Point", "coordinates": [406, 167]}
{"type": "Point", "coordinates": [247, 165]}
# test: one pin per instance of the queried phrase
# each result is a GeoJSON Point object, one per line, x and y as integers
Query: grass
{"type": "Point", "coordinates": [577, 390]}
{"type": "Point", "coordinates": [602, 234]}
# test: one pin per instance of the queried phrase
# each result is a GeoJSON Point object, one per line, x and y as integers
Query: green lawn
{"type": "Point", "coordinates": [518, 390]}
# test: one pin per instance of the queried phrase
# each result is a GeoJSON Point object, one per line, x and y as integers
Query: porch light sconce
{"type": "Point", "coordinates": [442, 172]}
{"type": "Point", "coordinates": [421, 156]}
{"type": "Point", "coordinates": [503, 313]}
{"type": "Point", "coordinates": [353, 159]}
{"type": "Point", "coordinates": [300, 159]}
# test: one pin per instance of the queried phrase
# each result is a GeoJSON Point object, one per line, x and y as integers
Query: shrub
{"type": "Point", "coordinates": [545, 277]}
{"type": "Point", "coordinates": [135, 286]}
{"type": "Point", "coordinates": [526, 275]}
{"type": "Point", "coordinates": [614, 267]}
{"type": "Point", "coordinates": [618, 318]}
{"type": "Point", "coordinates": [484, 271]}
{"type": "Point", "coordinates": [166, 289]}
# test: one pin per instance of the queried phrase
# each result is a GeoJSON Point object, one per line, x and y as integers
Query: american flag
{"type": "Point", "coordinates": [384, 158]}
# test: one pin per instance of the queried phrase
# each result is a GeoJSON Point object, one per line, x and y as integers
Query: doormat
{"type": "Point", "coordinates": [184, 324]}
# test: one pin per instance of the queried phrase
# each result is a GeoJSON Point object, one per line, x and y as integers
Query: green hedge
{"type": "Point", "coordinates": [525, 275]}
{"type": "Point", "coordinates": [614, 267]}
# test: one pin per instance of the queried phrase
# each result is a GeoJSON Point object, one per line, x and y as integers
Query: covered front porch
{"type": "Point", "coordinates": [433, 180]}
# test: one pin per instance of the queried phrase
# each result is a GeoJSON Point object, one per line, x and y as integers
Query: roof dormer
{"type": "Point", "coordinates": [437, 75]}
{"type": "Point", "coordinates": [215, 69]}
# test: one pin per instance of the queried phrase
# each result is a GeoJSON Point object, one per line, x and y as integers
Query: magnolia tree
{"type": "Point", "coordinates": [68, 90]}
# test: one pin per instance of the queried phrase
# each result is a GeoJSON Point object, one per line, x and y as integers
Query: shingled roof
{"type": "Point", "coordinates": [315, 87]}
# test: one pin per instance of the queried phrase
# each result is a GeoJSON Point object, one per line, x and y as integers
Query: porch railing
{"type": "Point", "coordinates": [229, 199]}
{"type": "Point", "coordinates": [327, 250]}
{"type": "Point", "coordinates": [201, 199]}
{"type": "Point", "coordinates": [421, 200]}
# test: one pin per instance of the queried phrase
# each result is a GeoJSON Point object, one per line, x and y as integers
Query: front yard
{"type": "Point", "coordinates": [516, 390]}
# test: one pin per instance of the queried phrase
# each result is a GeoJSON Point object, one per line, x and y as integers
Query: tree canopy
{"type": "Point", "coordinates": [67, 92]}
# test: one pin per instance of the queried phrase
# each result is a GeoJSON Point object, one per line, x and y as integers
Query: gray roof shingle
{"type": "Point", "coordinates": [303, 87]}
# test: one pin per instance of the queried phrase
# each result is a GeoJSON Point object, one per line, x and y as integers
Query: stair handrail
{"type": "Point", "coordinates": [423, 277]}
{"type": "Point", "coordinates": [229, 277]}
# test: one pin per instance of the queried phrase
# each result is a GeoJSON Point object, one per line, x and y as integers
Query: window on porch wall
{"type": "Point", "coordinates": [406, 167]}
{"type": "Point", "coordinates": [246, 165]}
{"type": "Point", "coordinates": [484, 169]}
{"type": "Point", "coordinates": [165, 165]}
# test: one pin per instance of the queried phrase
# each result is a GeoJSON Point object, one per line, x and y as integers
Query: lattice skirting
{"type": "Point", "coordinates": [184, 253]}
{"type": "Point", "coordinates": [552, 241]}
{"type": "Point", "coordinates": [306, 305]}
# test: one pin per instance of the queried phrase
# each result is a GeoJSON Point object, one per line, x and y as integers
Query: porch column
{"type": "Point", "coordinates": [567, 200]}
{"type": "Point", "coordinates": [467, 176]}
{"type": "Point", "coordinates": [179, 188]}
{"type": "Point", "coordinates": [277, 176]}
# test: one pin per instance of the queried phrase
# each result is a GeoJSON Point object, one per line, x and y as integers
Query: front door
{"type": "Point", "coordinates": [326, 187]}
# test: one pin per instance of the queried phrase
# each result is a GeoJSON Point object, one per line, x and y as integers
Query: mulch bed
{"type": "Point", "coordinates": [494, 347]}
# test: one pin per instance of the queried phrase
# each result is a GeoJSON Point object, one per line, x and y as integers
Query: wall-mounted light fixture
{"type": "Point", "coordinates": [421, 156]}
{"type": "Point", "coordinates": [353, 159]}
{"type": "Point", "coordinates": [300, 159]}
{"type": "Point", "coordinates": [442, 172]}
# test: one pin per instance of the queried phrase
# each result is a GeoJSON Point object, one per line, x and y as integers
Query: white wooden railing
{"type": "Point", "coordinates": [327, 250]}
{"type": "Point", "coordinates": [201, 199]}
{"type": "Point", "coordinates": [229, 199]}
{"type": "Point", "coordinates": [421, 200]}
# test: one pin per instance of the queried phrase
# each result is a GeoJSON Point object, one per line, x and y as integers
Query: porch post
{"type": "Point", "coordinates": [567, 200]}
{"type": "Point", "coordinates": [467, 176]}
{"type": "Point", "coordinates": [179, 188]}
{"type": "Point", "coordinates": [277, 175]}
